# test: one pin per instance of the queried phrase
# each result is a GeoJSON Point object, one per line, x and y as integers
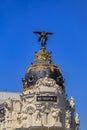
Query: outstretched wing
{"type": "Point", "coordinates": [49, 33]}
{"type": "Point", "coordinates": [38, 33]}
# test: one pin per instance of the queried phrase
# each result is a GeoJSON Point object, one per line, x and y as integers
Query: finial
{"type": "Point", "coordinates": [43, 37]}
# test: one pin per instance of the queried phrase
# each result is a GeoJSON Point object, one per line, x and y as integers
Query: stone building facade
{"type": "Point", "coordinates": [43, 104]}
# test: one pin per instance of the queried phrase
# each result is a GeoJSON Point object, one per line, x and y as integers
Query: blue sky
{"type": "Point", "coordinates": [67, 19]}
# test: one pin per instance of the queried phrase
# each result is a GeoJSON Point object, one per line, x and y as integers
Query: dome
{"type": "Point", "coordinates": [42, 67]}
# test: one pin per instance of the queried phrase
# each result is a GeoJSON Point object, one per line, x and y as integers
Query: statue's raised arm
{"type": "Point", "coordinates": [43, 37]}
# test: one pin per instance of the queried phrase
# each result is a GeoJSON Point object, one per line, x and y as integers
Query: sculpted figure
{"type": "Point", "coordinates": [37, 115]}
{"type": "Point", "coordinates": [8, 108]}
{"type": "Point", "coordinates": [8, 104]}
{"type": "Point", "coordinates": [38, 83]}
{"type": "Point", "coordinates": [19, 118]}
{"type": "Point", "coordinates": [45, 82]}
{"type": "Point", "coordinates": [56, 115]}
{"type": "Point", "coordinates": [77, 120]}
{"type": "Point", "coordinates": [68, 119]}
{"type": "Point", "coordinates": [72, 103]}
{"type": "Point", "coordinates": [43, 37]}
{"type": "Point", "coordinates": [24, 119]}
{"type": "Point", "coordinates": [23, 116]}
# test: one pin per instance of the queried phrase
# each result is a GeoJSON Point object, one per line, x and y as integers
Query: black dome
{"type": "Point", "coordinates": [42, 67]}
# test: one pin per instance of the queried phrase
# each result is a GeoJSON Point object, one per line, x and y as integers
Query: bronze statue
{"type": "Point", "coordinates": [43, 37]}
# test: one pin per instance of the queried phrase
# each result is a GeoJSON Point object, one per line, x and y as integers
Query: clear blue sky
{"type": "Point", "coordinates": [68, 20]}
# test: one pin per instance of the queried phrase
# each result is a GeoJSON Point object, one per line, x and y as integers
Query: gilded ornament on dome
{"type": "Point", "coordinates": [39, 67]}
{"type": "Point", "coordinates": [29, 69]}
{"type": "Point", "coordinates": [52, 68]}
{"type": "Point", "coordinates": [43, 57]}
{"type": "Point", "coordinates": [38, 57]}
{"type": "Point", "coordinates": [27, 88]}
